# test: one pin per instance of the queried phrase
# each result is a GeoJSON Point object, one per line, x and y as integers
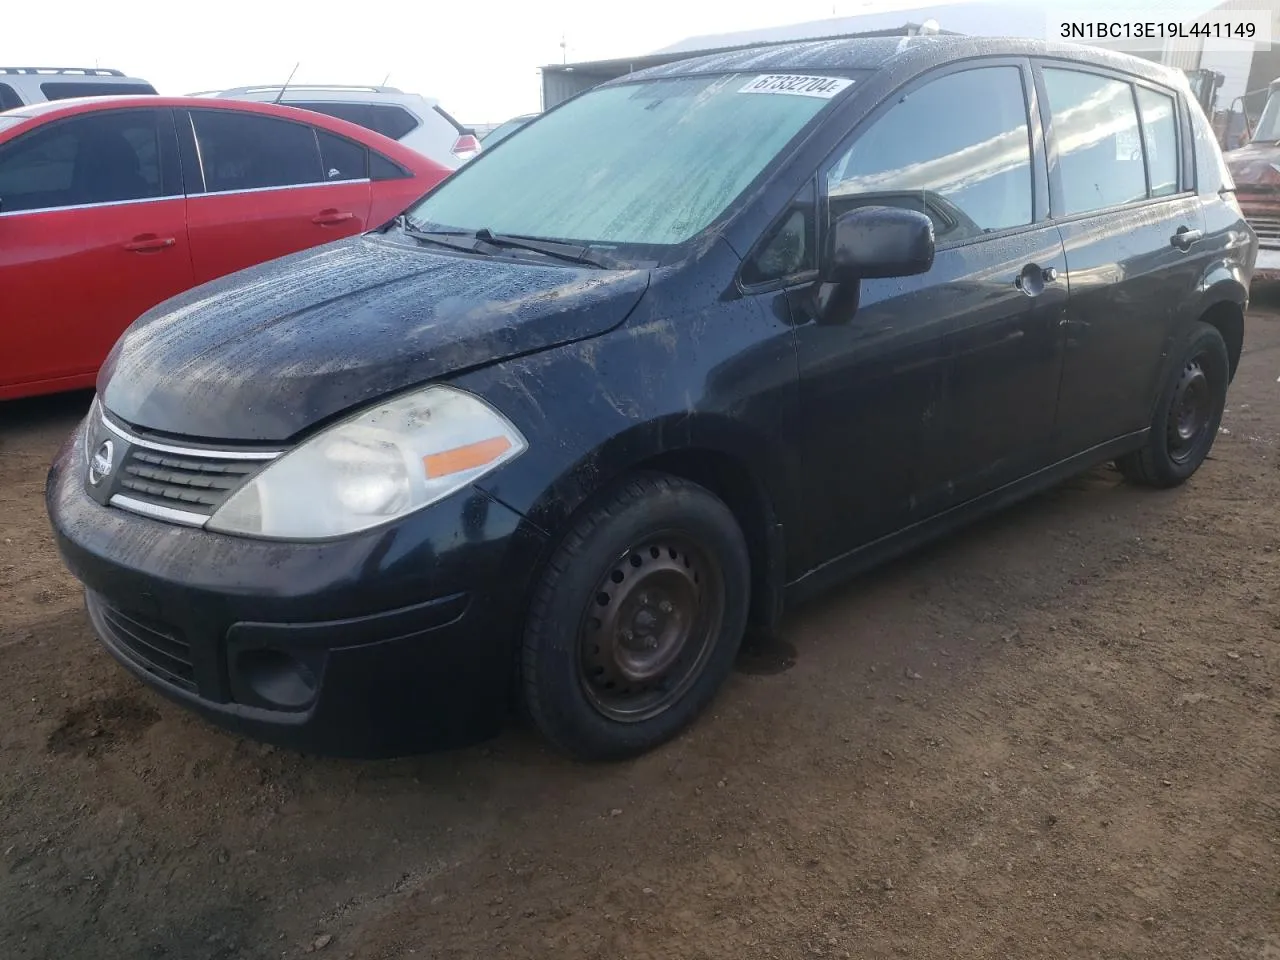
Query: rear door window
{"type": "Point", "coordinates": [1160, 135]}
{"type": "Point", "coordinates": [108, 157]}
{"type": "Point", "coordinates": [342, 159]}
{"type": "Point", "coordinates": [9, 99]}
{"type": "Point", "coordinates": [957, 149]}
{"type": "Point", "coordinates": [244, 151]}
{"type": "Point", "coordinates": [1095, 124]}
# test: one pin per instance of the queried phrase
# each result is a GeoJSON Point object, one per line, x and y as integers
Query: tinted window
{"type": "Point", "coordinates": [100, 158]}
{"type": "Point", "coordinates": [380, 168]}
{"type": "Point", "coordinates": [242, 151]}
{"type": "Point", "coordinates": [342, 159]}
{"type": "Point", "coordinates": [388, 120]}
{"type": "Point", "coordinates": [357, 113]}
{"type": "Point", "coordinates": [957, 148]}
{"type": "Point", "coordinates": [393, 122]}
{"type": "Point", "coordinates": [9, 98]}
{"type": "Point", "coordinates": [1099, 150]}
{"type": "Point", "coordinates": [1159, 127]}
{"type": "Point", "coordinates": [65, 89]}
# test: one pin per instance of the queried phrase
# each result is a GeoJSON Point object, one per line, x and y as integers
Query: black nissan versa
{"type": "Point", "coordinates": [691, 345]}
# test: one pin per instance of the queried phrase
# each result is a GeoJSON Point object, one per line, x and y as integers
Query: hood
{"type": "Point", "coordinates": [264, 354]}
{"type": "Point", "coordinates": [1255, 166]}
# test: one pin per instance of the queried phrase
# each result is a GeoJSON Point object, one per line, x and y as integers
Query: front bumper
{"type": "Point", "coordinates": [386, 643]}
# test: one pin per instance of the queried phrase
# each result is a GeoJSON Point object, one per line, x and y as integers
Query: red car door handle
{"type": "Point", "coordinates": [149, 243]}
{"type": "Point", "coordinates": [328, 217]}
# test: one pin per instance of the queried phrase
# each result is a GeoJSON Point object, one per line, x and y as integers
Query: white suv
{"type": "Point", "coordinates": [418, 122]}
{"type": "Point", "coordinates": [20, 86]}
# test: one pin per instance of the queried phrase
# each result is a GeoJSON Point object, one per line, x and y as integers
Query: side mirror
{"type": "Point", "coordinates": [878, 242]}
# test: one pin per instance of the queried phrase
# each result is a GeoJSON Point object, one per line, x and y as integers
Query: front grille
{"type": "Point", "coordinates": [185, 482]}
{"type": "Point", "coordinates": [154, 647]}
{"type": "Point", "coordinates": [1267, 229]}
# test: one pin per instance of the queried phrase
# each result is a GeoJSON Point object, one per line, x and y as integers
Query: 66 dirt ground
{"type": "Point", "coordinates": [1055, 734]}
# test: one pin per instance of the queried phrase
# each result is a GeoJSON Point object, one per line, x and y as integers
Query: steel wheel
{"type": "Point", "coordinates": [649, 628]}
{"type": "Point", "coordinates": [1190, 411]}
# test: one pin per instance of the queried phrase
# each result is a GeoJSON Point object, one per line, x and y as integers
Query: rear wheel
{"type": "Point", "coordinates": [637, 619]}
{"type": "Point", "coordinates": [1187, 415]}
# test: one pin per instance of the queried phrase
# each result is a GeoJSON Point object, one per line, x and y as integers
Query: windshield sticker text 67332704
{"type": "Point", "coordinates": [823, 87]}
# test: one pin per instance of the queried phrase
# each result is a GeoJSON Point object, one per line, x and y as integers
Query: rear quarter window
{"type": "Point", "coordinates": [381, 168]}
{"type": "Point", "coordinates": [9, 99]}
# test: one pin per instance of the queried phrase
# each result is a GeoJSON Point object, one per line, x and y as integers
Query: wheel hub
{"type": "Point", "coordinates": [1189, 411]}
{"type": "Point", "coordinates": [646, 633]}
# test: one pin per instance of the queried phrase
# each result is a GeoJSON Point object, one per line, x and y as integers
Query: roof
{"type": "Point", "coordinates": [608, 69]}
{"type": "Point", "coordinates": [907, 54]}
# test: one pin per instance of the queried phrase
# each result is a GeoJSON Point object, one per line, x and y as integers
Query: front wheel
{"type": "Point", "coordinates": [637, 619]}
{"type": "Point", "coordinates": [1187, 415]}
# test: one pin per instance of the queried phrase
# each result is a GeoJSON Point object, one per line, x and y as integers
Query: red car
{"type": "Point", "coordinates": [110, 205]}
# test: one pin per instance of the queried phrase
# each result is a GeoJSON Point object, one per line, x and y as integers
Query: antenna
{"type": "Point", "coordinates": [286, 83]}
{"type": "Point", "coordinates": [385, 79]}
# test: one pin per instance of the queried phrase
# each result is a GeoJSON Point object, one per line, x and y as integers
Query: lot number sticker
{"type": "Point", "coordinates": [796, 86]}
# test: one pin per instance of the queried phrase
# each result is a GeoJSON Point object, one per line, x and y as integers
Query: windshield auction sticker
{"type": "Point", "coordinates": [796, 86]}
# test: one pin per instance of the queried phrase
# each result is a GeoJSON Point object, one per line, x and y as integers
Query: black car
{"type": "Point", "coordinates": [694, 345]}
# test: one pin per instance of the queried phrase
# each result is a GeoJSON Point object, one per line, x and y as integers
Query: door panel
{"type": "Point", "coordinates": [92, 235]}
{"type": "Point", "coordinates": [1006, 354]}
{"type": "Point", "coordinates": [232, 231]}
{"type": "Point", "coordinates": [936, 388]}
{"type": "Point", "coordinates": [1133, 245]}
{"type": "Point", "coordinates": [1127, 281]}
{"type": "Point", "coordinates": [870, 392]}
{"type": "Point", "coordinates": [74, 279]}
{"type": "Point", "coordinates": [260, 189]}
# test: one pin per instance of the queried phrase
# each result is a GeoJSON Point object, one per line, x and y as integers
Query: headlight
{"type": "Point", "coordinates": [90, 424]}
{"type": "Point", "coordinates": [386, 461]}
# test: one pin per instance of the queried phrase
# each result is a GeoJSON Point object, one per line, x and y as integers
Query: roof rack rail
{"type": "Point", "coordinates": [87, 71]}
{"type": "Point", "coordinates": [273, 87]}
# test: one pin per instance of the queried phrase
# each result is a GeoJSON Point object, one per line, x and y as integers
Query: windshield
{"type": "Point", "coordinates": [649, 163]}
{"type": "Point", "coordinates": [1269, 122]}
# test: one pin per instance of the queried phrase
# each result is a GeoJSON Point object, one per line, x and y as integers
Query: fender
{"type": "Point", "coordinates": [595, 411]}
{"type": "Point", "coordinates": [1224, 281]}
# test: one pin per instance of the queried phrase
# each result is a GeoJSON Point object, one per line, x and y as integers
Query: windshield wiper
{"type": "Point", "coordinates": [572, 253]}
{"type": "Point", "coordinates": [438, 237]}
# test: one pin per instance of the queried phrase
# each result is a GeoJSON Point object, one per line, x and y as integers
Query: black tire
{"type": "Point", "coordinates": [1187, 415]}
{"type": "Point", "coordinates": [685, 573]}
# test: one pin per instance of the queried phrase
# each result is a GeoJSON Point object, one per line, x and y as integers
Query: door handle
{"type": "Point", "coordinates": [329, 217]}
{"type": "Point", "coordinates": [1185, 237]}
{"type": "Point", "coordinates": [149, 243]}
{"type": "Point", "coordinates": [1032, 279]}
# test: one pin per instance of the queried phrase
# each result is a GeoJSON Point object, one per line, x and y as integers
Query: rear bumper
{"type": "Point", "coordinates": [382, 644]}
